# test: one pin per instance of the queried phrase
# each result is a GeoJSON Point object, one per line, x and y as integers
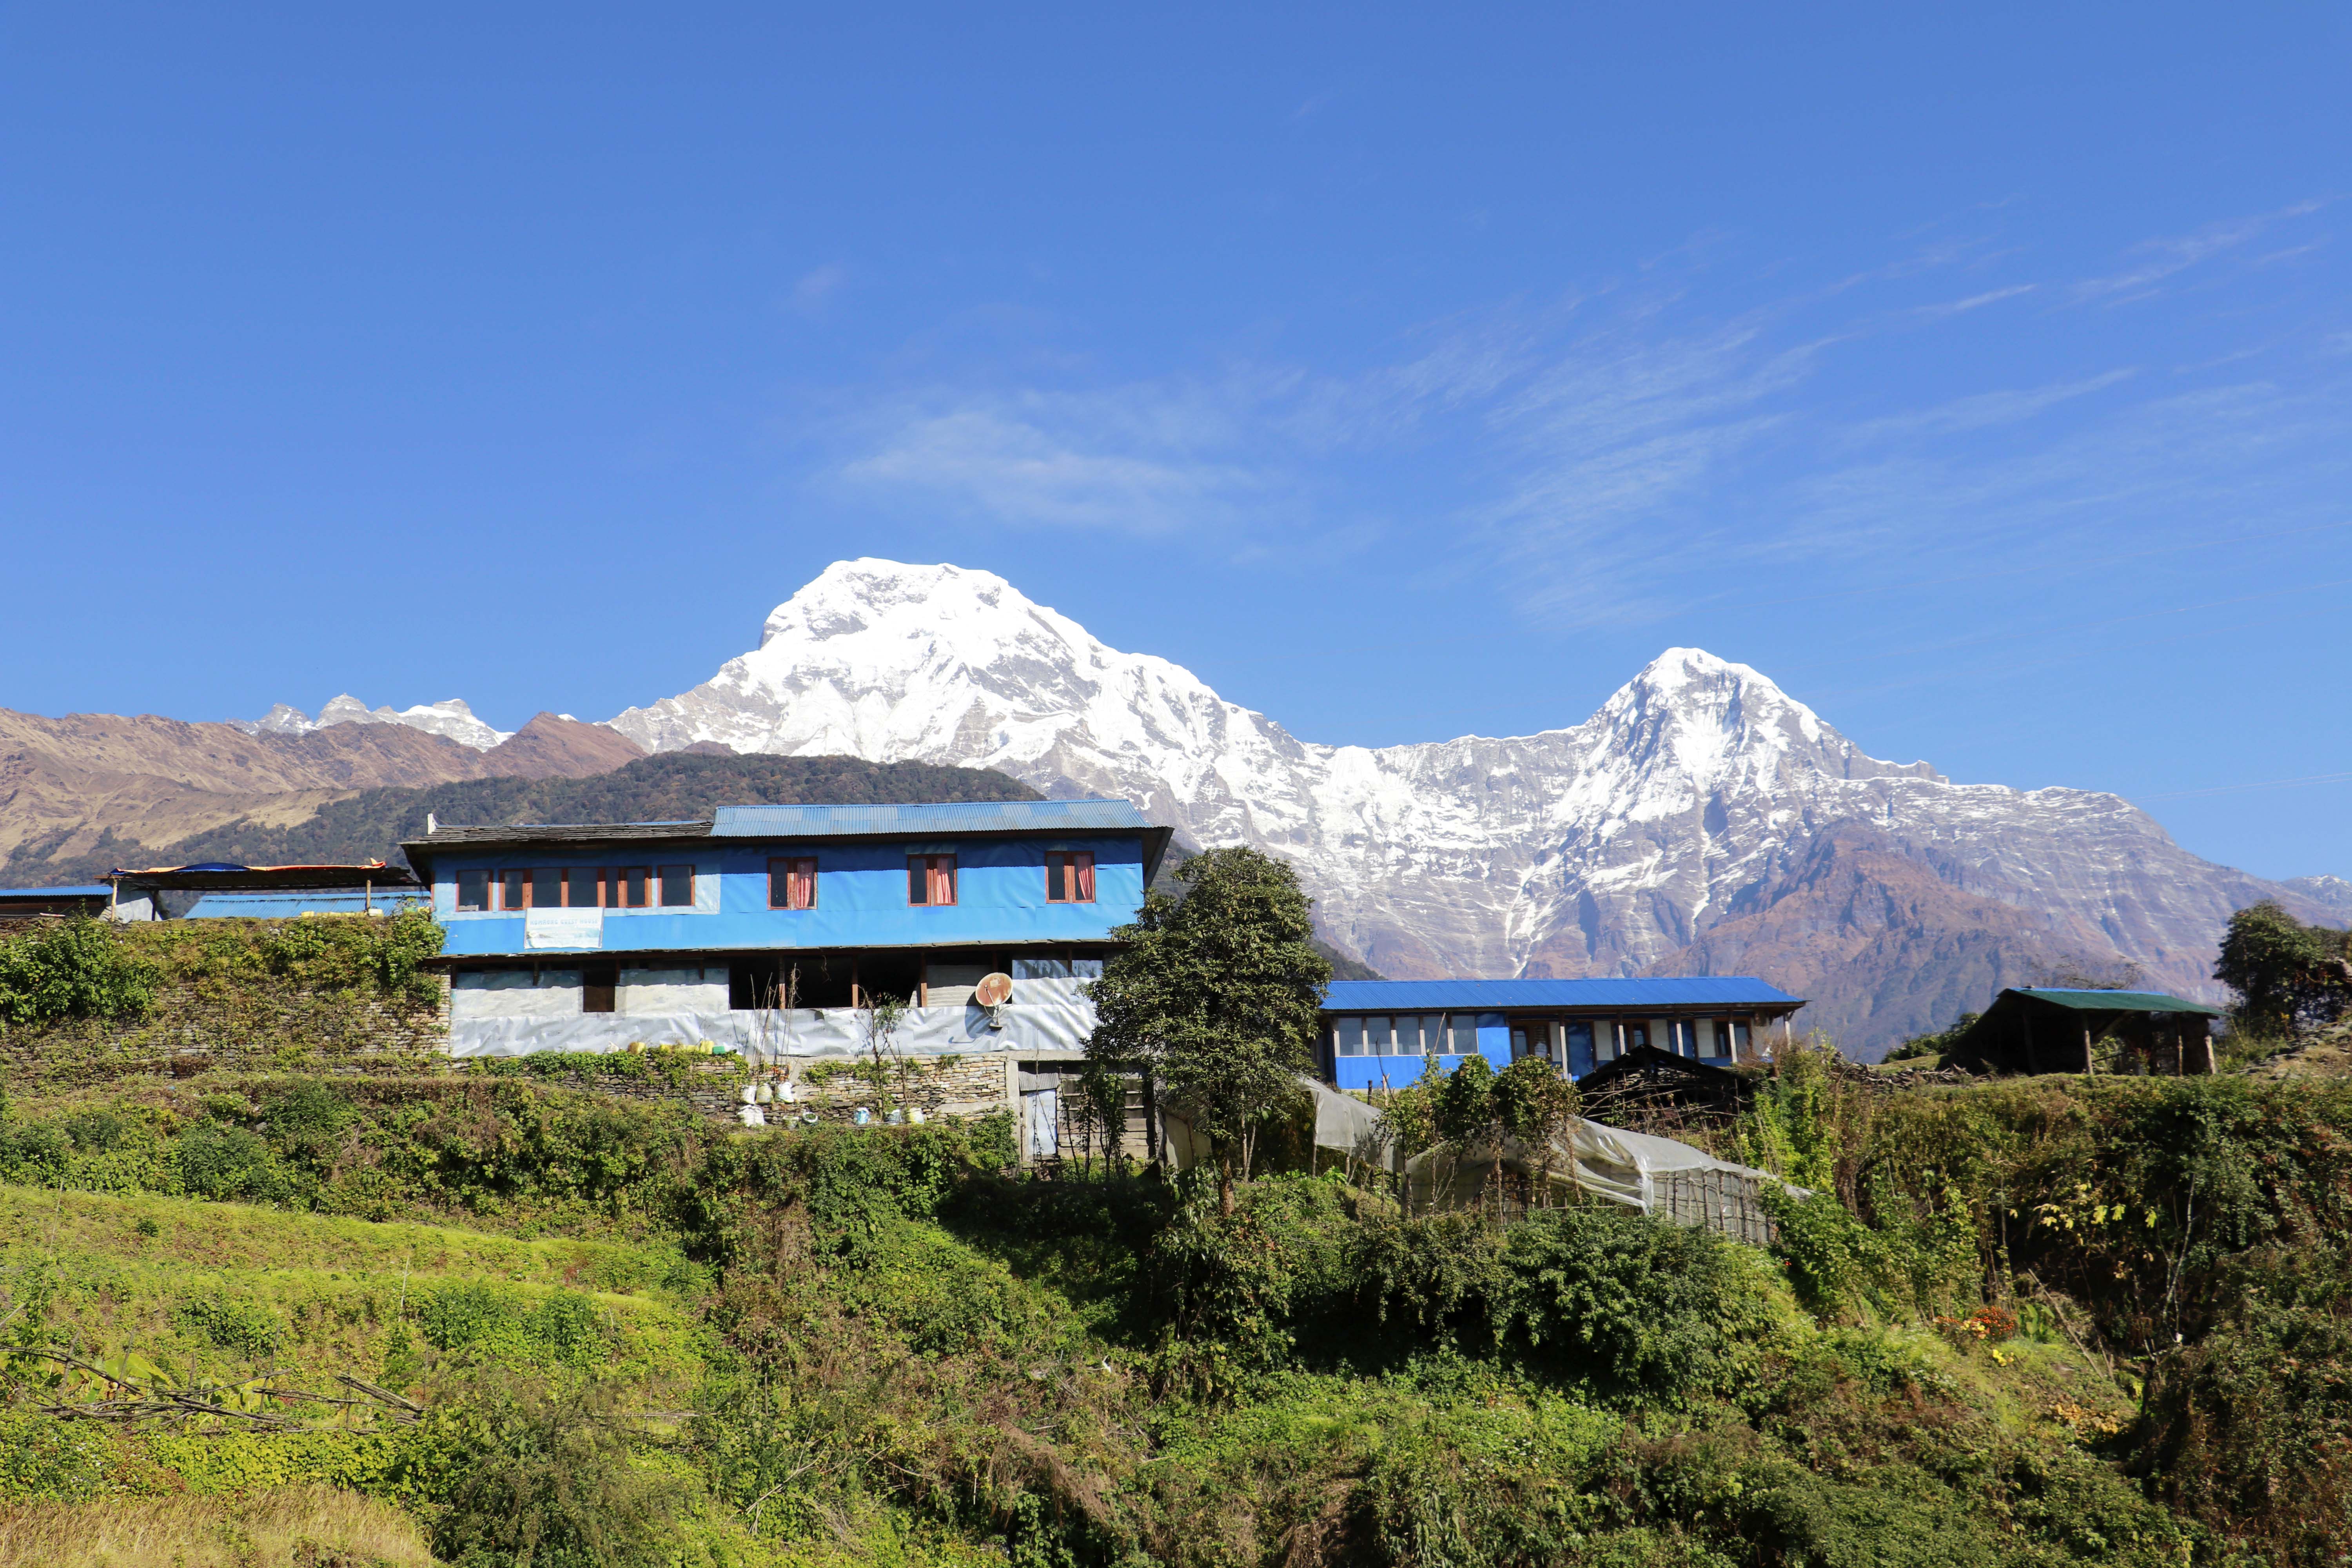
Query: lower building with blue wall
{"type": "Point", "coordinates": [1384, 1033]}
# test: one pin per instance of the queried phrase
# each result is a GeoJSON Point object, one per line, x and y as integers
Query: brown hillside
{"type": "Point", "coordinates": [551, 746]}
{"type": "Point", "coordinates": [1884, 946]}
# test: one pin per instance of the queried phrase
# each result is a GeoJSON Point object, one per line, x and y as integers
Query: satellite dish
{"type": "Point", "coordinates": [994, 990]}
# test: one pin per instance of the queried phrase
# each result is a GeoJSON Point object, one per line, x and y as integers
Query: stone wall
{"type": "Point", "coordinates": [240, 1029]}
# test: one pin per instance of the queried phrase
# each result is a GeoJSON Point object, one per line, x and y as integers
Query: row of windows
{"type": "Point", "coordinates": [791, 885]}
{"type": "Point", "coordinates": [1575, 1039]}
{"type": "Point", "coordinates": [578, 888]}
{"type": "Point", "coordinates": [931, 880]}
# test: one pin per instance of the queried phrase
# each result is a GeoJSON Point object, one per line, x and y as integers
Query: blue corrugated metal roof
{"type": "Point", "coordinates": [1501, 995]}
{"type": "Point", "coordinates": [953, 816]}
{"type": "Point", "coordinates": [82, 890]}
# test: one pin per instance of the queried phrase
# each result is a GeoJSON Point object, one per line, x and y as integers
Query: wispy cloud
{"type": "Point", "coordinates": [2156, 260]}
{"type": "Point", "coordinates": [1973, 302]}
{"type": "Point", "coordinates": [1983, 410]}
{"type": "Point", "coordinates": [1140, 460]}
{"type": "Point", "coordinates": [1600, 454]}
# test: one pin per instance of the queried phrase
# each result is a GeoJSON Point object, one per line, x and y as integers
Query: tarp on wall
{"type": "Point", "coordinates": [780, 1035]}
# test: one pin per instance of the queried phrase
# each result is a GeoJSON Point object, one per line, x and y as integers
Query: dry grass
{"type": "Point", "coordinates": [293, 1526]}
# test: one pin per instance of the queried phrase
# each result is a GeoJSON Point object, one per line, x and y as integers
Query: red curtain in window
{"type": "Point", "coordinates": [940, 879]}
{"type": "Point", "coordinates": [799, 884]}
{"type": "Point", "coordinates": [1082, 877]}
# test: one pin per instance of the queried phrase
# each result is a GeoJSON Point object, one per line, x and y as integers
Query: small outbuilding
{"type": "Point", "coordinates": [22, 903]}
{"type": "Point", "coordinates": [2039, 1029]}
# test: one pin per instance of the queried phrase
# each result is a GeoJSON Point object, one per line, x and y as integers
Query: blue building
{"type": "Point", "coordinates": [764, 927]}
{"type": "Point", "coordinates": [1380, 1033]}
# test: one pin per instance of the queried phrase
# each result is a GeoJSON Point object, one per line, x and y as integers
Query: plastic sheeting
{"type": "Point", "coordinates": [1628, 1168]}
{"type": "Point", "coordinates": [1059, 1024]}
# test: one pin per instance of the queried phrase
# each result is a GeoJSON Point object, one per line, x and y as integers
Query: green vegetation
{"type": "Point", "coordinates": [541, 1312]}
{"type": "Point", "coordinates": [639, 1338]}
{"type": "Point", "coordinates": [1215, 995]}
{"type": "Point", "coordinates": [2287, 975]}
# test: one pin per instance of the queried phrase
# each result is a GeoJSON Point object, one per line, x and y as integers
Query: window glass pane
{"type": "Point", "coordinates": [633, 887]}
{"type": "Point", "coordinates": [780, 884]}
{"type": "Point", "coordinates": [1086, 969]}
{"type": "Point", "coordinates": [1707, 1039]}
{"type": "Point", "coordinates": [1466, 1035]}
{"type": "Point", "coordinates": [1739, 1040]}
{"type": "Point", "coordinates": [1578, 1034]}
{"type": "Point", "coordinates": [547, 888]}
{"type": "Point", "coordinates": [580, 887]}
{"type": "Point", "coordinates": [1044, 967]}
{"type": "Point", "coordinates": [473, 889]}
{"type": "Point", "coordinates": [919, 884]}
{"type": "Point", "coordinates": [1633, 1034]}
{"type": "Point", "coordinates": [1351, 1037]}
{"type": "Point", "coordinates": [514, 891]}
{"type": "Point", "coordinates": [1376, 1037]}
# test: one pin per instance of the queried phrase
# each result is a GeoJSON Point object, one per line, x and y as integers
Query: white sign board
{"type": "Point", "coordinates": [563, 928]}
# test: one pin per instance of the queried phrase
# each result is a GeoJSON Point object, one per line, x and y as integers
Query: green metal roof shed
{"type": "Point", "coordinates": [2040, 1028]}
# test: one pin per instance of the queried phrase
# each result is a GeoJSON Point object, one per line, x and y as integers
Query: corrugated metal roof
{"type": "Point", "coordinates": [1501, 995]}
{"type": "Point", "coordinates": [953, 816]}
{"type": "Point", "coordinates": [2114, 1001]}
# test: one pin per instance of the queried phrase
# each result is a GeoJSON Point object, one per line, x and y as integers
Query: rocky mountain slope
{"type": "Point", "coordinates": [1703, 821]}
{"type": "Point", "coordinates": [74, 789]}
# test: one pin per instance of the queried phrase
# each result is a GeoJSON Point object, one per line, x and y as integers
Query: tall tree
{"type": "Point", "coordinates": [2283, 972]}
{"type": "Point", "coordinates": [1216, 994]}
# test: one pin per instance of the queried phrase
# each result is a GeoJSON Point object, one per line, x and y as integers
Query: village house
{"type": "Point", "coordinates": [765, 929]}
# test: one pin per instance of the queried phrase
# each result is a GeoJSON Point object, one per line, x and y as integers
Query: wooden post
{"type": "Point", "coordinates": [2090, 1063]}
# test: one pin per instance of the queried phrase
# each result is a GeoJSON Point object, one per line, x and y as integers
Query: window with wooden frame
{"type": "Point", "coordinates": [473, 890]}
{"type": "Point", "coordinates": [514, 889]}
{"type": "Point", "coordinates": [677, 886]}
{"type": "Point", "coordinates": [792, 882]}
{"type": "Point", "coordinates": [1070, 877]}
{"type": "Point", "coordinates": [930, 879]}
{"type": "Point", "coordinates": [583, 887]}
{"type": "Point", "coordinates": [632, 887]}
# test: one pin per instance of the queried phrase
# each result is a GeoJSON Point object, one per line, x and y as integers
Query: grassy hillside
{"type": "Point", "coordinates": [667, 787]}
{"type": "Point", "coordinates": [635, 1337]}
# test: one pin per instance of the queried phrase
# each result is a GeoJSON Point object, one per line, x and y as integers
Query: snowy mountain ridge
{"type": "Point", "coordinates": [452, 720]}
{"type": "Point", "coordinates": [1605, 847]}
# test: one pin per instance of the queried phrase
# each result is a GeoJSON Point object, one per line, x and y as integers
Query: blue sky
{"type": "Point", "coordinates": [1984, 376]}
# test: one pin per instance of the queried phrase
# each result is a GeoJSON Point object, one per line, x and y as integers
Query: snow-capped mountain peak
{"type": "Point", "coordinates": [1689, 800]}
{"type": "Point", "coordinates": [452, 720]}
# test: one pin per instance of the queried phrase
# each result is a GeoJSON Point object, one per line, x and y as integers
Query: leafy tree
{"type": "Point", "coordinates": [2283, 972]}
{"type": "Point", "coordinates": [1216, 994]}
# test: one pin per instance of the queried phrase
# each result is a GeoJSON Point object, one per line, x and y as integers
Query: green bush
{"type": "Point", "coordinates": [241, 1328]}
{"type": "Point", "coordinates": [229, 1163]}
{"type": "Point", "coordinates": [537, 1470]}
{"type": "Point", "coordinates": [81, 969]}
{"type": "Point", "coordinates": [44, 1459]}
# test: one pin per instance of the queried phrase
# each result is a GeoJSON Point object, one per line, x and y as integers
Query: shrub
{"type": "Point", "coordinates": [1643, 1309]}
{"type": "Point", "coordinates": [241, 1328]}
{"type": "Point", "coordinates": [537, 1470]}
{"type": "Point", "coordinates": [78, 970]}
{"type": "Point", "coordinates": [229, 1162]}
